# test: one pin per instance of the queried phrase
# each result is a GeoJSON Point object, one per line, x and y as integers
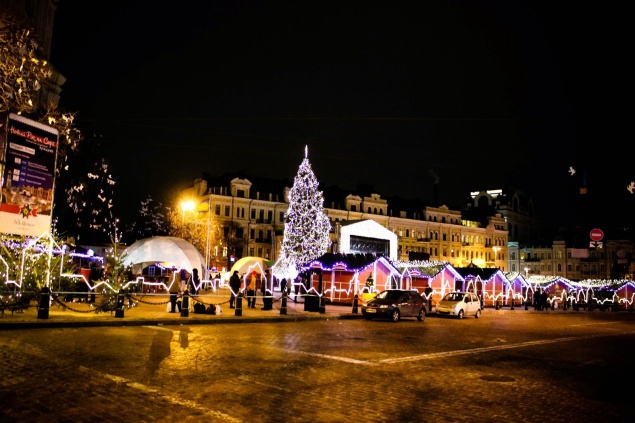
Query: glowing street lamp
{"type": "Point", "coordinates": [496, 250]}
{"type": "Point", "coordinates": [526, 272]}
{"type": "Point", "coordinates": [185, 206]}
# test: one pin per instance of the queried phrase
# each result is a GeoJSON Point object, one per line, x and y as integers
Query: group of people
{"type": "Point", "coordinates": [253, 283]}
{"type": "Point", "coordinates": [540, 300]}
{"type": "Point", "coordinates": [181, 282]}
{"type": "Point", "coordinates": [255, 286]}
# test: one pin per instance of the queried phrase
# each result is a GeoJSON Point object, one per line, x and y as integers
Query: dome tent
{"type": "Point", "coordinates": [170, 250]}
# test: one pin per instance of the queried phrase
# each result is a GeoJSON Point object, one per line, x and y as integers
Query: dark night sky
{"type": "Point", "coordinates": [470, 95]}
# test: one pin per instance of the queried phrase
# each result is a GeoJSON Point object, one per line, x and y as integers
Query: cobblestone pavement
{"type": "Point", "coordinates": [509, 367]}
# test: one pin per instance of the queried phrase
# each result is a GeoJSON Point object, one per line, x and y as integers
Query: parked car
{"type": "Point", "coordinates": [459, 304]}
{"type": "Point", "coordinates": [394, 304]}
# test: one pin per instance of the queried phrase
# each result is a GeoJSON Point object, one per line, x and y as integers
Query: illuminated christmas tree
{"type": "Point", "coordinates": [306, 227]}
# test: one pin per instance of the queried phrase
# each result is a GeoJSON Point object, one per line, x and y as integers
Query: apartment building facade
{"type": "Point", "coordinates": [256, 206]}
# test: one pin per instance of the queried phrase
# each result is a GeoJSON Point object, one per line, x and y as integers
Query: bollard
{"type": "Point", "coordinates": [497, 306]}
{"type": "Point", "coordinates": [185, 304]}
{"type": "Point", "coordinates": [239, 305]}
{"type": "Point", "coordinates": [43, 305]}
{"type": "Point", "coordinates": [283, 306]}
{"type": "Point", "coordinates": [553, 305]}
{"type": "Point", "coordinates": [512, 307]}
{"type": "Point", "coordinates": [119, 304]}
{"type": "Point", "coordinates": [355, 301]}
{"type": "Point", "coordinates": [322, 304]}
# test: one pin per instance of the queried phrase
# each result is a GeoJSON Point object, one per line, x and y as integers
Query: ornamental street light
{"type": "Point", "coordinates": [526, 272]}
{"type": "Point", "coordinates": [185, 206]}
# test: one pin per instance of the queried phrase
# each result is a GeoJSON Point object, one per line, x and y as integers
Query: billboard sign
{"type": "Point", "coordinates": [28, 174]}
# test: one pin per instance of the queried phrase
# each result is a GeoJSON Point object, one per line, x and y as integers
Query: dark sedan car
{"type": "Point", "coordinates": [393, 304]}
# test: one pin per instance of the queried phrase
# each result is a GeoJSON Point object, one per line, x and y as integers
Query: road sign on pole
{"type": "Point", "coordinates": [596, 235]}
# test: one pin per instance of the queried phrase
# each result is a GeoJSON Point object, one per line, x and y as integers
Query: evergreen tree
{"type": "Point", "coordinates": [152, 221]}
{"type": "Point", "coordinates": [306, 227]}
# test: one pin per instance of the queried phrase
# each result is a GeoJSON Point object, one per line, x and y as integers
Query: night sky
{"type": "Point", "coordinates": [399, 95]}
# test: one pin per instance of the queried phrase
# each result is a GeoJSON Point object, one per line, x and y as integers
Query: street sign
{"type": "Point", "coordinates": [596, 234]}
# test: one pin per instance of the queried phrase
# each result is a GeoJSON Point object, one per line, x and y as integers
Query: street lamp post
{"type": "Point", "coordinates": [526, 272]}
{"type": "Point", "coordinates": [207, 236]}
{"type": "Point", "coordinates": [185, 206]}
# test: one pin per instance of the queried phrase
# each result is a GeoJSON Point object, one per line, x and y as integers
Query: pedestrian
{"type": "Point", "coordinates": [95, 276]}
{"type": "Point", "coordinates": [296, 288]}
{"type": "Point", "coordinates": [174, 288]}
{"type": "Point", "coordinates": [267, 298]}
{"type": "Point", "coordinates": [251, 290]}
{"type": "Point", "coordinates": [234, 287]}
{"type": "Point", "coordinates": [195, 283]}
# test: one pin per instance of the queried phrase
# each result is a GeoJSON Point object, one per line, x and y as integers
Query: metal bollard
{"type": "Point", "coordinates": [512, 306]}
{"type": "Point", "coordinates": [355, 301]}
{"type": "Point", "coordinates": [43, 305]}
{"type": "Point", "coordinates": [239, 305]}
{"type": "Point", "coordinates": [185, 304]}
{"type": "Point", "coordinates": [322, 304]}
{"type": "Point", "coordinates": [283, 306]}
{"type": "Point", "coordinates": [497, 306]}
{"type": "Point", "coordinates": [119, 304]}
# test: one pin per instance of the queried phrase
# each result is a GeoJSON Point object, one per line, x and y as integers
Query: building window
{"type": "Point", "coordinates": [240, 193]}
{"type": "Point", "coordinates": [252, 234]}
{"type": "Point", "coordinates": [253, 214]}
{"type": "Point", "coordinates": [217, 210]}
{"type": "Point", "coordinates": [227, 211]}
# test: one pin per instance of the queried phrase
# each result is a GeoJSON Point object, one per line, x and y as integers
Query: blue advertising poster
{"type": "Point", "coordinates": [28, 176]}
